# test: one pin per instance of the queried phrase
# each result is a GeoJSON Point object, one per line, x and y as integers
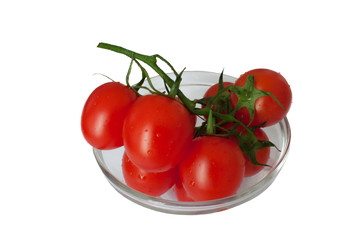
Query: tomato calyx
{"type": "Point", "coordinates": [216, 111]}
{"type": "Point", "coordinates": [249, 144]}
{"type": "Point", "coordinates": [221, 102]}
{"type": "Point", "coordinates": [247, 96]}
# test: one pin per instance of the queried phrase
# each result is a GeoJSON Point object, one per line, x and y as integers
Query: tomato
{"type": "Point", "coordinates": [157, 132]}
{"type": "Point", "coordinates": [213, 90]}
{"type": "Point", "coordinates": [180, 193]}
{"type": "Point", "coordinates": [266, 108]}
{"type": "Point", "coordinates": [262, 155]}
{"type": "Point", "coordinates": [150, 183]}
{"type": "Point", "coordinates": [213, 169]}
{"type": "Point", "coordinates": [104, 113]}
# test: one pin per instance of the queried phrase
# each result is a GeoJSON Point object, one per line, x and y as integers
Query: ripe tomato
{"type": "Point", "coordinates": [157, 132]}
{"type": "Point", "coordinates": [180, 193]}
{"type": "Point", "coordinates": [262, 155]}
{"type": "Point", "coordinates": [104, 113]}
{"type": "Point", "coordinates": [150, 183]}
{"type": "Point", "coordinates": [213, 90]}
{"type": "Point", "coordinates": [214, 168]}
{"type": "Point", "coordinates": [266, 108]}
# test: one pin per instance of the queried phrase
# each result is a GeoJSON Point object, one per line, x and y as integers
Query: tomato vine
{"type": "Point", "coordinates": [216, 111]}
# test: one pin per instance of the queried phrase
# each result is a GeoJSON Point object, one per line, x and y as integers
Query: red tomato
{"type": "Point", "coordinates": [150, 183]}
{"type": "Point", "coordinates": [213, 169]}
{"type": "Point", "coordinates": [104, 113]}
{"type": "Point", "coordinates": [157, 132]}
{"type": "Point", "coordinates": [266, 108]}
{"type": "Point", "coordinates": [213, 90]}
{"type": "Point", "coordinates": [262, 155]}
{"type": "Point", "coordinates": [181, 194]}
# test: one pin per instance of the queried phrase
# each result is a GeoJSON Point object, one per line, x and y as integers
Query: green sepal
{"type": "Point", "coordinates": [219, 103]}
{"type": "Point", "coordinates": [221, 81]}
{"type": "Point", "coordinates": [248, 94]}
{"type": "Point", "coordinates": [249, 144]}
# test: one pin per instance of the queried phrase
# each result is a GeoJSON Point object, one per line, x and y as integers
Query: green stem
{"type": "Point", "coordinates": [210, 124]}
{"type": "Point", "coordinates": [151, 62]}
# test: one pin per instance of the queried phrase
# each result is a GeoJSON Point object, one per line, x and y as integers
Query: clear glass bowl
{"type": "Point", "coordinates": [194, 85]}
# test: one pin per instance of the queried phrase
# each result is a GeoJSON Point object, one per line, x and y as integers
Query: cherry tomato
{"type": "Point", "coordinates": [213, 169]}
{"type": "Point", "coordinates": [262, 155]}
{"type": "Point", "coordinates": [180, 193]}
{"type": "Point", "coordinates": [157, 132]}
{"type": "Point", "coordinates": [150, 183]}
{"type": "Point", "coordinates": [266, 108]}
{"type": "Point", "coordinates": [213, 90]}
{"type": "Point", "coordinates": [104, 113]}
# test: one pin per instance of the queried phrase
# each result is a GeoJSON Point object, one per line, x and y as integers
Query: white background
{"type": "Point", "coordinates": [50, 184]}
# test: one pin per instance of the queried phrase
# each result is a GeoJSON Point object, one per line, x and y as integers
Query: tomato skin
{"type": "Point", "coordinates": [180, 193]}
{"type": "Point", "coordinates": [262, 155]}
{"type": "Point", "coordinates": [157, 132]}
{"type": "Point", "coordinates": [266, 108]}
{"type": "Point", "coordinates": [104, 113]}
{"type": "Point", "coordinates": [150, 183]}
{"type": "Point", "coordinates": [213, 169]}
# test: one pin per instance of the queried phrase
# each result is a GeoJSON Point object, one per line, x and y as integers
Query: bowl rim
{"type": "Point", "coordinates": [167, 205]}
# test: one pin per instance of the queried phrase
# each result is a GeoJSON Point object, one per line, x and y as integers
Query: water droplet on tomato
{"type": "Point", "coordinates": [146, 130]}
{"type": "Point", "coordinates": [157, 135]}
{"type": "Point", "coordinates": [149, 152]}
{"type": "Point", "coordinates": [192, 184]}
{"type": "Point", "coordinates": [142, 178]}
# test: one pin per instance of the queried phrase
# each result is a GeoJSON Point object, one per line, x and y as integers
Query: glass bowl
{"type": "Point", "coordinates": [194, 85]}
